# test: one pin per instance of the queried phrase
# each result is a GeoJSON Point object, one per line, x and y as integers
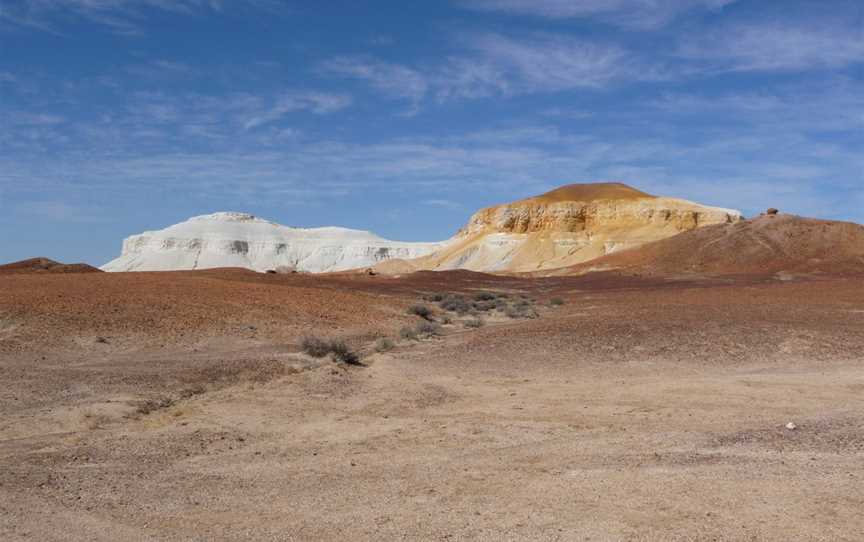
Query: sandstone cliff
{"type": "Point", "coordinates": [573, 224]}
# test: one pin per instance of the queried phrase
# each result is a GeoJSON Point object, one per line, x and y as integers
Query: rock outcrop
{"type": "Point", "coordinates": [243, 240]}
{"type": "Point", "coordinates": [45, 265]}
{"type": "Point", "coordinates": [573, 224]}
{"type": "Point", "coordinates": [771, 244]}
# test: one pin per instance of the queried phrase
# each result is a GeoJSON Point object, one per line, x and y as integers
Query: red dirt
{"type": "Point", "coordinates": [46, 265]}
{"type": "Point", "coordinates": [766, 245]}
{"type": "Point", "coordinates": [590, 192]}
{"type": "Point", "coordinates": [641, 409]}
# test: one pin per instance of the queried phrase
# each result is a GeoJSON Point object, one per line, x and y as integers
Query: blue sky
{"type": "Point", "coordinates": [118, 116]}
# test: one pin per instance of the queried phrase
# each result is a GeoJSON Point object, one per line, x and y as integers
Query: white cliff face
{"type": "Point", "coordinates": [243, 240]}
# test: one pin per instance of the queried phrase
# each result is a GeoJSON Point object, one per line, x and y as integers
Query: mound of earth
{"type": "Point", "coordinates": [230, 239]}
{"type": "Point", "coordinates": [46, 265]}
{"type": "Point", "coordinates": [768, 244]}
{"type": "Point", "coordinates": [572, 224]}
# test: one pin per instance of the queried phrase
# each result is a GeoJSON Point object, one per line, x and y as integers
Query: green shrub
{"type": "Point", "coordinates": [556, 301]}
{"type": "Point", "coordinates": [408, 333]}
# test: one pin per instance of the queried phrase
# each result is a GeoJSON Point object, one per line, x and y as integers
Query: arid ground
{"type": "Point", "coordinates": [179, 406]}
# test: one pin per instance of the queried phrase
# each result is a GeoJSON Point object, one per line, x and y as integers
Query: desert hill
{"type": "Point", "coordinates": [45, 265]}
{"type": "Point", "coordinates": [572, 224]}
{"type": "Point", "coordinates": [767, 244]}
{"type": "Point", "coordinates": [229, 239]}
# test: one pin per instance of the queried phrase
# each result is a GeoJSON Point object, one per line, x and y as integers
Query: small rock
{"type": "Point", "coordinates": [791, 426]}
{"type": "Point", "coordinates": [771, 211]}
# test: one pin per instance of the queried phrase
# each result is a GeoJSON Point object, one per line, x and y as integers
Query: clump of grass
{"type": "Point", "coordinates": [384, 344]}
{"type": "Point", "coordinates": [556, 301]}
{"type": "Point", "coordinates": [446, 319]}
{"type": "Point", "coordinates": [408, 333]}
{"type": "Point", "coordinates": [422, 311]}
{"type": "Point", "coordinates": [437, 297]}
{"type": "Point", "coordinates": [318, 348]}
{"type": "Point", "coordinates": [473, 323]}
{"type": "Point", "coordinates": [485, 296]}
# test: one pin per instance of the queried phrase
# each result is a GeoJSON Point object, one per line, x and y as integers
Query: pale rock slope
{"type": "Point", "coordinates": [572, 224]}
{"type": "Point", "coordinates": [243, 240]}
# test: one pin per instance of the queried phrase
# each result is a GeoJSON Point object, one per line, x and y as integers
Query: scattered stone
{"type": "Point", "coordinates": [771, 211]}
{"type": "Point", "coordinates": [791, 426]}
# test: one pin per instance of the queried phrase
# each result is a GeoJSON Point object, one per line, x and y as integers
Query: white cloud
{"type": "Point", "coordinates": [630, 13]}
{"type": "Point", "coordinates": [316, 102]}
{"type": "Point", "coordinates": [450, 205]}
{"type": "Point", "coordinates": [827, 105]}
{"type": "Point", "coordinates": [778, 47]}
{"type": "Point", "coordinates": [391, 79]}
{"type": "Point", "coordinates": [495, 64]}
{"type": "Point", "coordinates": [121, 16]}
{"type": "Point", "coordinates": [737, 167]}
{"type": "Point", "coordinates": [548, 63]}
{"type": "Point", "coordinates": [59, 211]}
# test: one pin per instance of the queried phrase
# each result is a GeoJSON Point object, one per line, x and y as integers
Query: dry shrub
{"type": "Point", "coordinates": [315, 346]}
{"type": "Point", "coordinates": [384, 344]}
{"type": "Point", "coordinates": [427, 329]}
{"type": "Point", "coordinates": [474, 323]}
{"type": "Point", "coordinates": [420, 310]}
{"type": "Point", "coordinates": [318, 348]}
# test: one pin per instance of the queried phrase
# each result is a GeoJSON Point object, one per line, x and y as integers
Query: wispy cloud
{"type": "Point", "coordinates": [60, 211]}
{"type": "Point", "coordinates": [120, 16]}
{"type": "Point", "coordinates": [162, 68]}
{"type": "Point", "coordinates": [391, 79]}
{"type": "Point", "coordinates": [548, 62]}
{"type": "Point", "coordinates": [737, 167]}
{"type": "Point", "coordinates": [316, 102]}
{"type": "Point", "coordinates": [450, 205]}
{"type": "Point", "coordinates": [773, 46]}
{"type": "Point", "coordinates": [630, 13]}
{"type": "Point", "coordinates": [496, 64]}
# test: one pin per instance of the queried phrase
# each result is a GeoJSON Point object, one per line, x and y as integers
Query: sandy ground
{"type": "Point", "coordinates": [177, 406]}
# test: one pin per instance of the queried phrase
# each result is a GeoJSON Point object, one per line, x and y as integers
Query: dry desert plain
{"type": "Point", "coordinates": [179, 406]}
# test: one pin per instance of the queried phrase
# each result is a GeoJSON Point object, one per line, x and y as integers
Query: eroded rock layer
{"type": "Point", "coordinates": [573, 224]}
{"type": "Point", "coordinates": [243, 240]}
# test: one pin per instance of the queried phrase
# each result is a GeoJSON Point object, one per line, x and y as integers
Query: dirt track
{"type": "Point", "coordinates": [639, 410]}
